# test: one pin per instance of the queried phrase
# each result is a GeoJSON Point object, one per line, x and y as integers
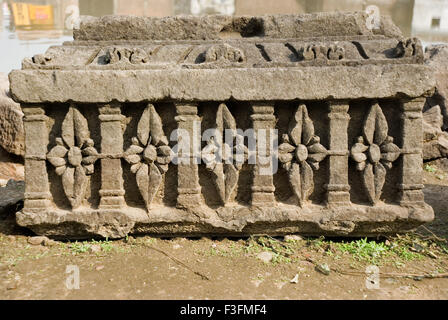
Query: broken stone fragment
{"type": "Point", "coordinates": [293, 237]}
{"type": "Point", "coordinates": [435, 141]}
{"type": "Point", "coordinates": [323, 268]}
{"type": "Point", "coordinates": [265, 256]}
{"type": "Point", "coordinates": [436, 57]}
{"type": "Point", "coordinates": [12, 136]}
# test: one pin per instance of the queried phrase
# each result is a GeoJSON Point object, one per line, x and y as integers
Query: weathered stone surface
{"type": "Point", "coordinates": [216, 27]}
{"type": "Point", "coordinates": [366, 82]}
{"type": "Point", "coordinates": [435, 143]}
{"type": "Point", "coordinates": [436, 56]}
{"type": "Point", "coordinates": [12, 136]}
{"type": "Point", "coordinates": [11, 195]}
{"type": "Point", "coordinates": [127, 126]}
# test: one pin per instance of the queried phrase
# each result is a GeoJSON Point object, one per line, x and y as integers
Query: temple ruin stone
{"type": "Point", "coordinates": [342, 101]}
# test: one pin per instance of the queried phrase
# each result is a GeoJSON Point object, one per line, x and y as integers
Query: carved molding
{"type": "Point", "coordinates": [374, 151]}
{"type": "Point", "coordinates": [300, 154]}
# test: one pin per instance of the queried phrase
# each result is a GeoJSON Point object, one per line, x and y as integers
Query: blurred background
{"type": "Point", "coordinates": [31, 26]}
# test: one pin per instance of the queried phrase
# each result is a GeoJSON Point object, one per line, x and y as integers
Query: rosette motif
{"type": "Point", "coordinates": [149, 154]}
{"type": "Point", "coordinates": [74, 156]}
{"type": "Point", "coordinates": [374, 151]}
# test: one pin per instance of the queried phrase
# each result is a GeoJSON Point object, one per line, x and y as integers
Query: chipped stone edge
{"type": "Point", "coordinates": [353, 220]}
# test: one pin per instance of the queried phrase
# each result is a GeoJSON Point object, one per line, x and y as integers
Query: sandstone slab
{"type": "Point", "coordinates": [316, 128]}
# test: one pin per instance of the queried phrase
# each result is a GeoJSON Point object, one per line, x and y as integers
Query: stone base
{"type": "Point", "coordinates": [313, 220]}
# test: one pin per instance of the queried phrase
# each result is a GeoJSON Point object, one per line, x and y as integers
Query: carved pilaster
{"type": "Point", "coordinates": [112, 192]}
{"type": "Point", "coordinates": [411, 161]}
{"type": "Point", "coordinates": [189, 142]}
{"type": "Point", "coordinates": [263, 120]}
{"type": "Point", "coordinates": [37, 191]}
{"type": "Point", "coordinates": [338, 187]}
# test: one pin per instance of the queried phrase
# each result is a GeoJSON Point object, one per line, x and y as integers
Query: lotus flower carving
{"type": "Point", "coordinates": [223, 161]}
{"type": "Point", "coordinates": [300, 154]}
{"type": "Point", "coordinates": [149, 154]}
{"type": "Point", "coordinates": [74, 156]}
{"type": "Point", "coordinates": [374, 152]}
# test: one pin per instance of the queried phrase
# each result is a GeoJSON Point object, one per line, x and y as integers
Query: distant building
{"type": "Point", "coordinates": [431, 20]}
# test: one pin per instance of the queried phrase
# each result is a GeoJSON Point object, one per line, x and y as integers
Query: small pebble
{"type": "Point", "coordinates": [95, 248]}
{"type": "Point", "coordinates": [293, 237]}
{"type": "Point", "coordinates": [295, 279]}
{"type": "Point", "coordinates": [265, 256]}
{"type": "Point", "coordinates": [38, 240]}
{"type": "Point", "coordinates": [323, 268]}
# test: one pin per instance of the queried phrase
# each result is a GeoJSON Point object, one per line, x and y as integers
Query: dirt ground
{"type": "Point", "coordinates": [149, 268]}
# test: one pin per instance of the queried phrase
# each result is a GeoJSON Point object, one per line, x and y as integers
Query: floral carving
{"type": "Point", "coordinates": [300, 154]}
{"type": "Point", "coordinates": [223, 161]}
{"type": "Point", "coordinates": [374, 151]}
{"type": "Point", "coordinates": [74, 156]}
{"type": "Point", "coordinates": [149, 154]}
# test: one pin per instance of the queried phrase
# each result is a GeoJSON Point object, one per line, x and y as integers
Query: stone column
{"type": "Point", "coordinates": [338, 187]}
{"type": "Point", "coordinates": [263, 182]}
{"type": "Point", "coordinates": [37, 190]}
{"type": "Point", "coordinates": [411, 160]}
{"type": "Point", "coordinates": [112, 191]}
{"type": "Point", "coordinates": [189, 129]}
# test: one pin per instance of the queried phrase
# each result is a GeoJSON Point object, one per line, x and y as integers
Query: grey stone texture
{"type": "Point", "coordinates": [435, 141]}
{"type": "Point", "coordinates": [347, 102]}
{"type": "Point", "coordinates": [12, 136]}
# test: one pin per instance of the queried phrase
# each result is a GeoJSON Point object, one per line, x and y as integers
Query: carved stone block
{"type": "Point", "coordinates": [225, 125]}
